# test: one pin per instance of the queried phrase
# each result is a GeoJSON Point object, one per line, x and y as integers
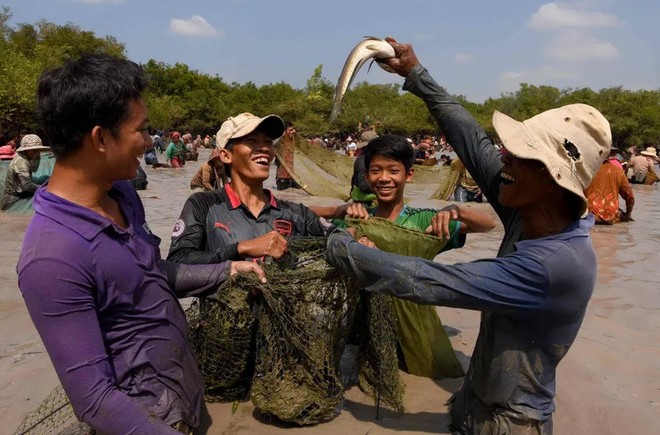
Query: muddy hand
{"type": "Point", "coordinates": [248, 267]}
{"type": "Point", "coordinates": [440, 222]}
{"type": "Point", "coordinates": [405, 58]}
{"type": "Point", "coordinates": [357, 211]}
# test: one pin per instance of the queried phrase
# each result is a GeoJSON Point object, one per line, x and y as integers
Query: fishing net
{"type": "Point", "coordinates": [221, 335]}
{"type": "Point", "coordinates": [53, 416]}
{"type": "Point", "coordinates": [43, 172]}
{"type": "Point", "coordinates": [301, 324]}
{"type": "Point", "coordinates": [425, 346]}
{"type": "Point", "coordinates": [323, 172]}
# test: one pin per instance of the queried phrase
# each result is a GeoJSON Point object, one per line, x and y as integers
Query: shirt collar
{"type": "Point", "coordinates": [87, 223]}
{"type": "Point", "coordinates": [235, 201]}
{"type": "Point", "coordinates": [579, 228]}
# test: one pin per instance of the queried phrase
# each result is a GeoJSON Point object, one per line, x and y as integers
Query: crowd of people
{"type": "Point", "coordinates": [110, 319]}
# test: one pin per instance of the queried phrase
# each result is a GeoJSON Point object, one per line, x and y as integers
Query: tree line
{"type": "Point", "coordinates": [185, 99]}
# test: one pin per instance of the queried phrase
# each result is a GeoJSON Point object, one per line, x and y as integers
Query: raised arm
{"type": "Point", "coordinates": [468, 139]}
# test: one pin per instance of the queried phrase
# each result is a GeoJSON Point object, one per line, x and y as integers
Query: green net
{"type": "Point", "coordinates": [300, 323]}
{"type": "Point", "coordinates": [43, 172]}
{"type": "Point", "coordinates": [303, 320]}
{"type": "Point", "coordinates": [323, 172]}
{"type": "Point", "coordinates": [426, 348]}
{"type": "Point", "coordinates": [221, 334]}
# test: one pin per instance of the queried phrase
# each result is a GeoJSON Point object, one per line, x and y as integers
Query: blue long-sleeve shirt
{"type": "Point", "coordinates": [533, 297]}
{"type": "Point", "coordinates": [106, 308]}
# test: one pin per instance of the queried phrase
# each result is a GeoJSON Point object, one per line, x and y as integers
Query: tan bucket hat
{"type": "Point", "coordinates": [650, 151]}
{"type": "Point", "coordinates": [244, 124]}
{"type": "Point", "coordinates": [571, 141]}
{"type": "Point", "coordinates": [31, 142]}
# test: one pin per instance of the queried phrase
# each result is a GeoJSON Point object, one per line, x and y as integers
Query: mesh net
{"type": "Point", "coordinates": [304, 317]}
{"type": "Point", "coordinates": [53, 416]}
{"type": "Point", "coordinates": [425, 346]}
{"type": "Point", "coordinates": [322, 172]}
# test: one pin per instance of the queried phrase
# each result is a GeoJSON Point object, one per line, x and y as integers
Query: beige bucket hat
{"type": "Point", "coordinates": [571, 141]}
{"type": "Point", "coordinates": [31, 142]}
{"type": "Point", "coordinates": [244, 124]}
{"type": "Point", "coordinates": [650, 151]}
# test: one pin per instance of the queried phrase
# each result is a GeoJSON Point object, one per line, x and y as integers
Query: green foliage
{"type": "Point", "coordinates": [186, 99]}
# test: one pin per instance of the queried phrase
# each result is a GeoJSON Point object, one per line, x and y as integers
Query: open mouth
{"type": "Point", "coordinates": [263, 161]}
{"type": "Point", "coordinates": [507, 179]}
{"type": "Point", "coordinates": [385, 189]}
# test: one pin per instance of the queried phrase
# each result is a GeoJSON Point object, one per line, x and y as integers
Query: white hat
{"type": "Point", "coordinates": [31, 142]}
{"type": "Point", "coordinates": [650, 151]}
{"type": "Point", "coordinates": [571, 141]}
{"type": "Point", "coordinates": [244, 124]}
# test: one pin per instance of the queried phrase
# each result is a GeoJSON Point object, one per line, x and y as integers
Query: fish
{"type": "Point", "coordinates": [369, 48]}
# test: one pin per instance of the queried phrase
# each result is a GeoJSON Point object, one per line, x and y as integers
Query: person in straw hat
{"type": "Point", "coordinates": [19, 184]}
{"type": "Point", "coordinates": [533, 296]}
{"type": "Point", "coordinates": [90, 271]}
{"type": "Point", "coordinates": [643, 166]}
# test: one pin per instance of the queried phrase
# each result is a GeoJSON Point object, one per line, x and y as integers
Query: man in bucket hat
{"type": "Point", "coordinates": [532, 297]}
{"type": "Point", "coordinates": [19, 184]}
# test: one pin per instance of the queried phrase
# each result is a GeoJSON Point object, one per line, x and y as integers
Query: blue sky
{"type": "Point", "coordinates": [478, 48]}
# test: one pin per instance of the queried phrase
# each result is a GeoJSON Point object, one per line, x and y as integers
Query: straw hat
{"type": "Point", "coordinates": [650, 151]}
{"type": "Point", "coordinates": [571, 141]}
{"type": "Point", "coordinates": [31, 142]}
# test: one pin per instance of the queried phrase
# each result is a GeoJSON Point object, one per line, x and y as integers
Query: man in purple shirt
{"type": "Point", "coordinates": [104, 302]}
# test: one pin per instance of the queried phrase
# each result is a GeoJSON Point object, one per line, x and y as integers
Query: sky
{"type": "Point", "coordinates": [475, 48]}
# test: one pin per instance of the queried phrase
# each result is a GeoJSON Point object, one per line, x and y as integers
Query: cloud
{"type": "Point", "coordinates": [98, 2]}
{"type": "Point", "coordinates": [557, 15]}
{"type": "Point", "coordinates": [194, 27]}
{"type": "Point", "coordinates": [576, 46]}
{"type": "Point", "coordinates": [462, 58]}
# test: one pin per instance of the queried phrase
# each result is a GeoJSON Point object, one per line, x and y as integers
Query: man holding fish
{"type": "Point", "coordinates": [532, 297]}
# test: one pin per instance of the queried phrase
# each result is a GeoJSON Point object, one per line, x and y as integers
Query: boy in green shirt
{"type": "Point", "coordinates": [389, 159]}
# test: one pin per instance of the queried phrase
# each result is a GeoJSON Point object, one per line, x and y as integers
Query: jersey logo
{"type": "Point", "coordinates": [223, 226]}
{"type": "Point", "coordinates": [283, 227]}
{"type": "Point", "coordinates": [179, 227]}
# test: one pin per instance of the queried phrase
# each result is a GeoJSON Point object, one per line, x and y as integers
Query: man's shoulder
{"type": "Point", "coordinates": [204, 201]}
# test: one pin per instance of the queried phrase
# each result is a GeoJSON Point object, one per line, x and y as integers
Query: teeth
{"type": "Point", "coordinates": [261, 160]}
{"type": "Point", "coordinates": [508, 177]}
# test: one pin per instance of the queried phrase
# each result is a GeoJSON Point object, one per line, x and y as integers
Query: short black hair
{"type": "Point", "coordinates": [93, 90]}
{"type": "Point", "coordinates": [393, 147]}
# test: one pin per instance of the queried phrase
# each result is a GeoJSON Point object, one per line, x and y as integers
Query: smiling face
{"type": "Point", "coordinates": [127, 143]}
{"type": "Point", "coordinates": [388, 178]}
{"type": "Point", "coordinates": [249, 157]}
{"type": "Point", "coordinates": [523, 181]}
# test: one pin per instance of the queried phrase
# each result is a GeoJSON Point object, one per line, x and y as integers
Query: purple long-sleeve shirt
{"type": "Point", "coordinates": [105, 305]}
